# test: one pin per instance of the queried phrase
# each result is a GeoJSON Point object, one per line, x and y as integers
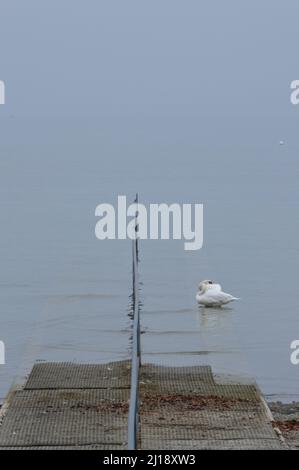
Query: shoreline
{"type": "Point", "coordinates": [286, 418]}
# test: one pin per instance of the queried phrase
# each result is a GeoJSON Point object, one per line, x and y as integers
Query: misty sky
{"type": "Point", "coordinates": [148, 59]}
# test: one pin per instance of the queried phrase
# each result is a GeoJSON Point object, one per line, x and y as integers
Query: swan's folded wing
{"type": "Point", "coordinates": [214, 288]}
{"type": "Point", "coordinates": [217, 296]}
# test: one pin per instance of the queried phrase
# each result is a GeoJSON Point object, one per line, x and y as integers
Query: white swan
{"type": "Point", "coordinates": [211, 295]}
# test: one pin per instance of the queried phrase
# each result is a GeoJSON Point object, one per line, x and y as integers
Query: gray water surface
{"type": "Point", "coordinates": [65, 294]}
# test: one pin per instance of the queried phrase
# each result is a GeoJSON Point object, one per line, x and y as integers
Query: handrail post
{"type": "Point", "coordinates": [133, 419]}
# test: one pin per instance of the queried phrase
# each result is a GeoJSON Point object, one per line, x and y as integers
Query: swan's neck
{"type": "Point", "coordinates": [203, 289]}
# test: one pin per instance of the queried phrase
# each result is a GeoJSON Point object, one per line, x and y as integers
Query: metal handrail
{"type": "Point", "coordinates": [133, 419]}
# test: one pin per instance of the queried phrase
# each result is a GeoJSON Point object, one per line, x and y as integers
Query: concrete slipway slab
{"type": "Point", "coordinates": [69, 406]}
{"type": "Point", "coordinates": [184, 408]}
{"type": "Point", "coordinates": [85, 406]}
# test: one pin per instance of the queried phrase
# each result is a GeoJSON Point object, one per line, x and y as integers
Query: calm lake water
{"type": "Point", "coordinates": [65, 294]}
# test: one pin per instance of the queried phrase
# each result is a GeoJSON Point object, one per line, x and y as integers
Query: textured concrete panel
{"type": "Point", "coordinates": [184, 408]}
{"type": "Point", "coordinates": [70, 375]}
{"type": "Point", "coordinates": [66, 417]}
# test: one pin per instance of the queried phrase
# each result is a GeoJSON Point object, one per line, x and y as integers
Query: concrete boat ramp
{"type": "Point", "coordinates": [85, 406]}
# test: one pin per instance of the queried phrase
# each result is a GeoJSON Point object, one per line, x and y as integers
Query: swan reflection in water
{"type": "Point", "coordinates": [213, 318]}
